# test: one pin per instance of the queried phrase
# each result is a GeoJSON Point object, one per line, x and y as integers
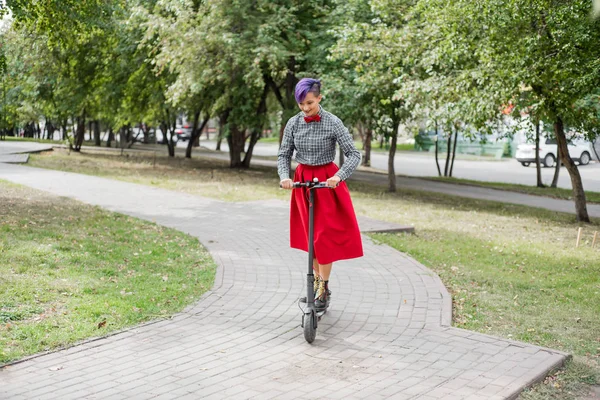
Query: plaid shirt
{"type": "Point", "coordinates": [314, 143]}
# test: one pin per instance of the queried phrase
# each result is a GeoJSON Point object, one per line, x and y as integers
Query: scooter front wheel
{"type": "Point", "coordinates": [310, 326]}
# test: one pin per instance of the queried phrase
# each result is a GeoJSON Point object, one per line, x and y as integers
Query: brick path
{"type": "Point", "coordinates": [387, 334]}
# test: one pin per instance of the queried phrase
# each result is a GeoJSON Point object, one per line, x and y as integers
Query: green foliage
{"type": "Point", "coordinates": [538, 55]}
{"type": "Point", "coordinates": [382, 61]}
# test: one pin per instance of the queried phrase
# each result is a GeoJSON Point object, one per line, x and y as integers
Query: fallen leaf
{"type": "Point", "coordinates": [102, 324]}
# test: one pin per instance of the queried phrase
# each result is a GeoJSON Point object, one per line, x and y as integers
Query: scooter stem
{"type": "Point", "coordinates": [310, 295]}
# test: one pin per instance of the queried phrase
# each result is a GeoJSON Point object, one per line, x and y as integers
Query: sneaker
{"type": "Point", "coordinates": [322, 297]}
{"type": "Point", "coordinates": [317, 282]}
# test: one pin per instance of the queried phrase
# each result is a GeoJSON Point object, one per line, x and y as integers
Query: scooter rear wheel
{"type": "Point", "coordinates": [310, 327]}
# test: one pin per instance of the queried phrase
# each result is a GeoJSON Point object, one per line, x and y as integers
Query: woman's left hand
{"type": "Point", "coordinates": [333, 181]}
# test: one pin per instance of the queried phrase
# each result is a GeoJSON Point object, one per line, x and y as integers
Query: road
{"type": "Point", "coordinates": [423, 165]}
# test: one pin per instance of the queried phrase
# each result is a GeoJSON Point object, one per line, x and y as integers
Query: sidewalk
{"type": "Point", "coordinates": [17, 152]}
{"type": "Point", "coordinates": [387, 333]}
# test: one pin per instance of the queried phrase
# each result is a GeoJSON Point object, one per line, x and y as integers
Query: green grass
{"type": "Point", "coordinates": [375, 146]}
{"type": "Point", "coordinates": [274, 139]}
{"type": "Point", "coordinates": [513, 271]}
{"type": "Point", "coordinates": [572, 382]}
{"type": "Point", "coordinates": [69, 271]}
{"type": "Point", "coordinates": [557, 193]}
{"type": "Point", "coordinates": [205, 177]}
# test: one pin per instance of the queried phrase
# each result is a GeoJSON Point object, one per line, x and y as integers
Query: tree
{"type": "Point", "coordinates": [76, 34]}
{"type": "Point", "coordinates": [374, 50]}
{"type": "Point", "coordinates": [495, 50]}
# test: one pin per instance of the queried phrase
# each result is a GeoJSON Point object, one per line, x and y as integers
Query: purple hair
{"type": "Point", "coordinates": [307, 85]}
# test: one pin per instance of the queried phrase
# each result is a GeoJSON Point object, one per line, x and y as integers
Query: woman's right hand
{"type": "Point", "coordinates": [286, 184]}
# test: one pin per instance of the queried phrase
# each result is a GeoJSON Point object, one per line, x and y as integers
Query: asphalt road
{"type": "Point", "coordinates": [423, 165]}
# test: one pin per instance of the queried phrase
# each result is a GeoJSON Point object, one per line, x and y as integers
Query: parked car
{"type": "Point", "coordinates": [183, 132]}
{"type": "Point", "coordinates": [579, 150]}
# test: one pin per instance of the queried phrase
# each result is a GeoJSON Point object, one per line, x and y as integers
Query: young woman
{"type": "Point", "coordinates": [313, 134]}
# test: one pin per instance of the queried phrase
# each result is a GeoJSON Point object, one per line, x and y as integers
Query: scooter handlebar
{"type": "Point", "coordinates": [310, 185]}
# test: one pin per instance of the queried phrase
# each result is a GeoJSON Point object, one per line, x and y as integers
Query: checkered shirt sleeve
{"type": "Point", "coordinates": [314, 144]}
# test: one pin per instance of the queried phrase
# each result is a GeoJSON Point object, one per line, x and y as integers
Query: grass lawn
{"type": "Point", "coordinates": [512, 270]}
{"type": "Point", "coordinates": [375, 146]}
{"type": "Point", "coordinates": [557, 193]}
{"type": "Point", "coordinates": [69, 271]}
{"type": "Point", "coordinates": [273, 139]}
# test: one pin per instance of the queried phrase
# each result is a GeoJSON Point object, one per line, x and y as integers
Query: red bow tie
{"type": "Point", "coordinates": [314, 118]}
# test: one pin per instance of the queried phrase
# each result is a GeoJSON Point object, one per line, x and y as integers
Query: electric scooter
{"type": "Point", "coordinates": [310, 314]}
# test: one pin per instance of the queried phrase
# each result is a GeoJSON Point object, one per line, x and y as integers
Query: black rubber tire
{"type": "Point", "coordinates": [310, 330]}
{"type": "Point", "coordinates": [585, 158]}
{"type": "Point", "coordinates": [525, 164]}
{"type": "Point", "coordinates": [549, 157]}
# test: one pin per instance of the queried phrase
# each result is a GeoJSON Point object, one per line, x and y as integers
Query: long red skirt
{"type": "Point", "coordinates": [336, 233]}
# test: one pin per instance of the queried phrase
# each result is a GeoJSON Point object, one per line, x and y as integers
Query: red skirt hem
{"type": "Point", "coordinates": [336, 233]}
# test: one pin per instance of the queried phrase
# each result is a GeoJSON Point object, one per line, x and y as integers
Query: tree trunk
{"type": "Point", "coordinates": [168, 135]}
{"type": "Point", "coordinates": [454, 150]}
{"type": "Point", "coordinates": [261, 112]}
{"type": "Point", "coordinates": [341, 158]}
{"type": "Point", "coordinates": [28, 130]}
{"type": "Point", "coordinates": [199, 133]}
{"type": "Point", "coordinates": [448, 153]}
{"type": "Point", "coordinates": [236, 140]}
{"type": "Point", "coordinates": [196, 132]}
{"type": "Point", "coordinates": [392, 157]}
{"type": "Point", "coordinates": [80, 133]}
{"type": "Point", "coordinates": [146, 132]}
{"type": "Point", "coordinates": [222, 123]}
{"type": "Point", "coordinates": [556, 168]}
{"type": "Point", "coordinates": [51, 129]}
{"type": "Point", "coordinates": [220, 134]}
{"type": "Point", "coordinates": [171, 141]}
{"type": "Point", "coordinates": [578, 192]}
{"type": "Point", "coordinates": [537, 155]}
{"type": "Point", "coordinates": [437, 146]}
{"type": "Point", "coordinates": [367, 146]}
{"type": "Point", "coordinates": [97, 138]}
{"type": "Point", "coordinates": [254, 137]}
{"type": "Point", "coordinates": [111, 137]}
{"type": "Point", "coordinates": [123, 137]}
{"type": "Point", "coordinates": [64, 130]}
{"type": "Point", "coordinates": [594, 149]}
{"type": "Point", "coordinates": [131, 139]}
{"type": "Point", "coordinates": [193, 136]}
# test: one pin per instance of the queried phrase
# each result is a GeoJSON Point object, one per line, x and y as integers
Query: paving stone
{"type": "Point", "coordinates": [243, 339]}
